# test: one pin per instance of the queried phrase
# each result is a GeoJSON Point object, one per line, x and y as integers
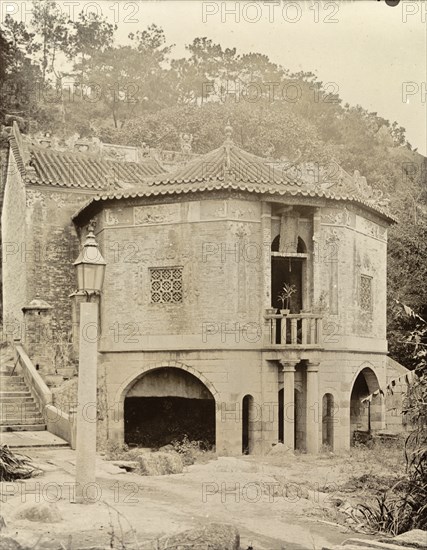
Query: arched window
{"type": "Point", "coordinates": [275, 244]}
{"type": "Point", "coordinates": [247, 428]}
{"type": "Point", "coordinates": [301, 247]}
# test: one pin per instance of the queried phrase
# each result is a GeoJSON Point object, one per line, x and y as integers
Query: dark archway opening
{"type": "Point", "coordinates": [328, 421]}
{"type": "Point", "coordinates": [247, 428]}
{"type": "Point", "coordinates": [168, 404]}
{"type": "Point", "coordinates": [281, 413]}
{"type": "Point", "coordinates": [365, 384]}
{"type": "Point", "coordinates": [289, 271]}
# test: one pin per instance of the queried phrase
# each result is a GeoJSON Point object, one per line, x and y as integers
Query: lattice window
{"type": "Point", "coordinates": [366, 293]}
{"type": "Point", "coordinates": [166, 285]}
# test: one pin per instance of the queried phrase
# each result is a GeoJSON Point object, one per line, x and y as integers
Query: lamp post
{"type": "Point", "coordinates": [90, 268]}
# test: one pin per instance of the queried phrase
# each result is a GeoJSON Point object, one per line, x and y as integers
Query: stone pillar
{"type": "Point", "coordinates": [378, 413]}
{"type": "Point", "coordinates": [289, 231]}
{"type": "Point", "coordinates": [77, 298]}
{"type": "Point", "coordinates": [37, 337]}
{"type": "Point", "coordinates": [314, 417]}
{"type": "Point", "coordinates": [288, 404]}
{"type": "Point", "coordinates": [266, 254]}
{"type": "Point", "coordinates": [317, 256]}
{"type": "Point", "coordinates": [86, 489]}
{"type": "Point", "coordinates": [229, 425]}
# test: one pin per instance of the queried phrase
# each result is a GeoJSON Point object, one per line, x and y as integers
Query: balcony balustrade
{"type": "Point", "coordinates": [299, 331]}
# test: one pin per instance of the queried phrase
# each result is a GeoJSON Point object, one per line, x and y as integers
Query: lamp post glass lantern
{"type": "Point", "coordinates": [90, 266]}
{"type": "Point", "coordinates": [90, 269]}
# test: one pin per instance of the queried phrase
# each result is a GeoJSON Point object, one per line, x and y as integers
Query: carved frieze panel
{"type": "Point", "coordinates": [230, 209]}
{"type": "Point", "coordinates": [156, 214]}
{"type": "Point", "coordinates": [370, 228]}
{"type": "Point", "coordinates": [338, 217]}
{"type": "Point", "coordinates": [34, 197]}
{"type": "Point", "coordinates": [117, 216]}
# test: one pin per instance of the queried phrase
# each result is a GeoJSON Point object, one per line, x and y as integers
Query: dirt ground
{"type": "Point", "coordinates": [277, 502]}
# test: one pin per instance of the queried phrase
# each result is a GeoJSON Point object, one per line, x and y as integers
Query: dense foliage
{"type": "Point", "coordinates": [14, 466]}
{"type": "Point", "coordinates": [404, 505]}
{"type": "Point", "coordinates": [138, 92]}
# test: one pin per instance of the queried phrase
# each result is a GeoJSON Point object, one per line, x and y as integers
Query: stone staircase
{"type": "Point", "coordinates": [18, 409]}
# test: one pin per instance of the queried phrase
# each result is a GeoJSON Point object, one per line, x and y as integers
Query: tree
{"type": "Point", "coordinates": [20, 75]}
{"type": "Point", "coordinates": [50, 25]}
{"type": "Point", "coordinates": [89, 35]}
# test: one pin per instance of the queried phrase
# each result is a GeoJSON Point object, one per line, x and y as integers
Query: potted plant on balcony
{"type": "Point", "coordinates": [284, 296]}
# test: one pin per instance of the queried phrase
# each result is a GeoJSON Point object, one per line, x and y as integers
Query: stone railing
{"type": "Point", "coordinates": [57, 422]}
{"type": "Point", "coordinates": [301, 330]}
{"type": "Point", "coordinates": [33, 380]}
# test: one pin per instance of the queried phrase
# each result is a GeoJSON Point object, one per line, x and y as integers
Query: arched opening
{"type": "Point", "coordinates": [362, 414]}
{"type": "Point", "coordinates": [275, 244]}
{"type": "Point", "coordinates": [301, 246]}
{"type": "Point", "coordinates": [328, 420]}
{"type": "Point", "coordinates": [166, 404]}
{"type": "Point", "coordinates": [280, 419]}
{"type": "Point", "coordinates": [247, 424]}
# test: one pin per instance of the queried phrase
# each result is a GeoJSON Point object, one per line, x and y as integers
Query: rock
{"type": "Point", "coordinates": [128, 465]}
{"type": "Point", "coordinates": [214, 536]}
{"type": "Point", "coordinates": [160, 464]}
{"type": "Point", "coordinates": [417, 538]}
{"type": "Point", "coordinates": [279, 449]}
{"type": "Point", "coordinates": [166, 448]}
{"type": "Point", "coordinates": [44, 512]}
{"type": "Point", "coordinates": [8, 543]}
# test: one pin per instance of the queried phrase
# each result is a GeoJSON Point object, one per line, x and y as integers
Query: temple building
{"type": "Point", "coordinates": [244, 300]}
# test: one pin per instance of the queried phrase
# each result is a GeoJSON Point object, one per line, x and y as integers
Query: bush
{"type": "Point", "coordinates": [404, 506]}
{"type": "Point", "coordinates": [116, 451]}
{"type": "Point", "coordinates": [14, 466]}
{"type": "Point", "coordinates": [190, 451]}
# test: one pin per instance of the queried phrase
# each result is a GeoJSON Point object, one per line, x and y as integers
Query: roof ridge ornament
{"type": "Point", "coordinates": [374, 197]}
{"type": "Point", "coordinates": [228, 131]}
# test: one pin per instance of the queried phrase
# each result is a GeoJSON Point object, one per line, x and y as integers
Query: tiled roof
{"type": "Point", "coordinates": [230, 167]}
{"type": "Point", "coordinates": [66, 169]}
{"type": "Point", "coordinates": [47, 166]}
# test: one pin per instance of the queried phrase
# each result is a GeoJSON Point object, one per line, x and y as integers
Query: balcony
{"type": "Point", "coordinates": [294, 331]}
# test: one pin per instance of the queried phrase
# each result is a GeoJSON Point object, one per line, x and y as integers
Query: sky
{"type": "Point", "coordinates": [373, 54]}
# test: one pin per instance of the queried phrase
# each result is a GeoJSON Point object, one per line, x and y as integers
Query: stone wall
{"type": "Point", "coordinates": [51, 248]}
{"type": "Point", "coordinates": [221, 283]}
{"type": "Point", "coordinates": [353, 244]}
{"type": "Point", "coordinates": [14, 235]}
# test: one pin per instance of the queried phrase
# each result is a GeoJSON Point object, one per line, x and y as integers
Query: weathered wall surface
{"type": "Point", "coordinates": [14, 235]}
{"type": "Point", "coordinates": [51, 248]}
{"type": "Point", "coordinates": [229, 376]}
{"type": "Point", "coordinates": [353, 244]}
{"type": "Point", "coordinates": [212, 241]}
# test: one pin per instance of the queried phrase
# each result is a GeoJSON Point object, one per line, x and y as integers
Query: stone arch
{"type": "Point", "coordinates": [117, 427]}
{"type": "Point", "coordinates": [301, 246]}
{"type": "Point", "coordinates": [131, 380]}
{"type": "Point", "coordinates": [364, 416]}
{"type": "Point", "coordinates": [275, 244]}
